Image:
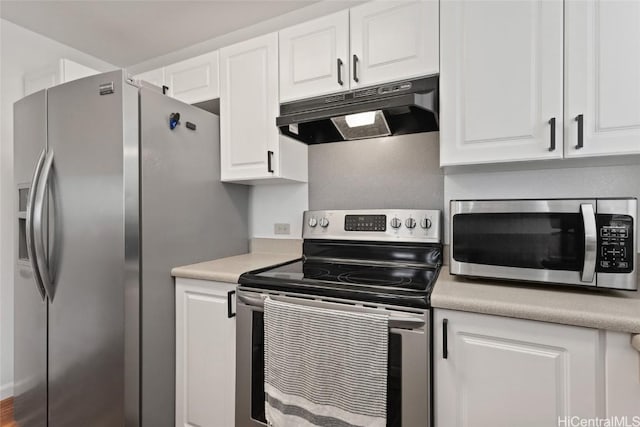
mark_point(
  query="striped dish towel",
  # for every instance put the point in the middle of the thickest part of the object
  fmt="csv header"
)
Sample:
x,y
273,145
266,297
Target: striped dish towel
x,y
324,367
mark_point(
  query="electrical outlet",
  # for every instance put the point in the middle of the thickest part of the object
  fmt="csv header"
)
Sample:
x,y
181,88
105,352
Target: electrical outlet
x,y
281,228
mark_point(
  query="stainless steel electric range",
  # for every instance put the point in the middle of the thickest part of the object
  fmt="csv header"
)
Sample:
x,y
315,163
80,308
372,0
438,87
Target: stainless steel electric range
x,y
359,260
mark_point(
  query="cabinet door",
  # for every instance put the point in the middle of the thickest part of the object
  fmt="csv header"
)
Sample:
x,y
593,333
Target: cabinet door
x,y
504,372
205,355
155,77
63,71
622,368
602,84
195,79
314,57
393,40
500,81
248,109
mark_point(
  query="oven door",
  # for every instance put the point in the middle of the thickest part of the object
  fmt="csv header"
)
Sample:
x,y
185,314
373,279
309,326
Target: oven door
x,y
533,240
409,378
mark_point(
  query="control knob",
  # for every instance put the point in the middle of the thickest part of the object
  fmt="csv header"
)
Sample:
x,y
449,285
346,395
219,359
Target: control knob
x,y
425,223
313,222
396,223
324,222
410,223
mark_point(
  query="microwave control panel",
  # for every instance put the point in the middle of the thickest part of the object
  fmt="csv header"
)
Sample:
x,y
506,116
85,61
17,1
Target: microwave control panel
x,y
615,244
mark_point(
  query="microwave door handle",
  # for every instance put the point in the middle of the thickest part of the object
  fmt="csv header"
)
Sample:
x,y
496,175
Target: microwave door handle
x,y
590,242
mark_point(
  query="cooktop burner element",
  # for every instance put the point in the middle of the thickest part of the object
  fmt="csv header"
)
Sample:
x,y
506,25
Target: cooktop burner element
x,y
374,278
371,256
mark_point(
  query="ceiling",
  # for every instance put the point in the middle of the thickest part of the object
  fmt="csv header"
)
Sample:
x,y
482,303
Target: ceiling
x,y
125,33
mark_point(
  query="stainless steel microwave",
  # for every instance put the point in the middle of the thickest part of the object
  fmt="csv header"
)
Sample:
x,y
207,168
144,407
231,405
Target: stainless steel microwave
x,y
584,242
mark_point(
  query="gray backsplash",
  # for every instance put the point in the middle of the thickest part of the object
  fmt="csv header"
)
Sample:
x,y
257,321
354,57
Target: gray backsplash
x,y
393,172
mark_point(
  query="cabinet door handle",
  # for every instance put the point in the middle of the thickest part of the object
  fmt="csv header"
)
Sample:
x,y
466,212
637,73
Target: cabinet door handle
x,y
552,143
230,312
269,165
340,82
355,68
445,338
580,120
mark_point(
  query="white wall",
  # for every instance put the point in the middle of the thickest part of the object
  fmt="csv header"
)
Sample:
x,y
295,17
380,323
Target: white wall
x,y
21,51
277,203
587,181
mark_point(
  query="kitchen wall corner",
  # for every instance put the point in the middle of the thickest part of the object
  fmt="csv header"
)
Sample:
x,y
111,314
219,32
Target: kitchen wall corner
x,y
277,203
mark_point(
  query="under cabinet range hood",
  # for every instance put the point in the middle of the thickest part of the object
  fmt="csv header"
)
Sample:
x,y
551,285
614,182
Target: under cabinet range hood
x,y
408,106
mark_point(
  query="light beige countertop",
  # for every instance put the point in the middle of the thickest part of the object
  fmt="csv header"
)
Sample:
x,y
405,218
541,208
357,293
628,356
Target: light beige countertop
x,y
610,310
265,252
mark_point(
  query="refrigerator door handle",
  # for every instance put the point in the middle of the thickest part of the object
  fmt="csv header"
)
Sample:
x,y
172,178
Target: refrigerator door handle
x,y
38,213
29,223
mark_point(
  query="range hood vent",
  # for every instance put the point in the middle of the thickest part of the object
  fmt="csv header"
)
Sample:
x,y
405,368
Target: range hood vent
x,y
399,108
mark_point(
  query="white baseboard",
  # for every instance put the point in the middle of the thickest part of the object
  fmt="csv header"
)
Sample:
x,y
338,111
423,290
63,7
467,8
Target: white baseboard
x,y
6,390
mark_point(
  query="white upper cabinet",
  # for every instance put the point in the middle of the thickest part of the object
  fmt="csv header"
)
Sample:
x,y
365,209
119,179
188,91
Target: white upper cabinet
x,y
195,79
63,71
503,372
393,40
602,77
314,57
374,43
155,77
251,148
248,108
501,81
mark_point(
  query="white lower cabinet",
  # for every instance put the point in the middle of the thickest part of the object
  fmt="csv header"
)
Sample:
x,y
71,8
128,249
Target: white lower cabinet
x,y
205,353
622,379
503,372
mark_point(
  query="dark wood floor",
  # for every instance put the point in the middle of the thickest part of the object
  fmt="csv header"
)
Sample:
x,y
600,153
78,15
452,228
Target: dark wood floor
x,y
6,413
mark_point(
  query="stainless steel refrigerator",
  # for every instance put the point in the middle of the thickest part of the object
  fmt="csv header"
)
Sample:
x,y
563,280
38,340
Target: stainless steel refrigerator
x,y
112,191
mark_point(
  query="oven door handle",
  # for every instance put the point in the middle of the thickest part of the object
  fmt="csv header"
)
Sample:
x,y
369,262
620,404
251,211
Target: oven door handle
x,y
395,321
590,243
250,301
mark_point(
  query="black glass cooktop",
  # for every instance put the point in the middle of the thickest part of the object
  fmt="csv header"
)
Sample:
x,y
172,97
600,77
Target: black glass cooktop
x,y
410,278
391,281
405,286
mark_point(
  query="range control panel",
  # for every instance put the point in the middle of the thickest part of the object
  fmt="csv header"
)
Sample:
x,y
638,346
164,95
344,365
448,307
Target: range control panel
x,y
408,225
365,223
615,243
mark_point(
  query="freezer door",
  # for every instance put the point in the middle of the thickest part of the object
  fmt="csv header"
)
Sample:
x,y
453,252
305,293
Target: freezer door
x,y
30,304
87,317
187,216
